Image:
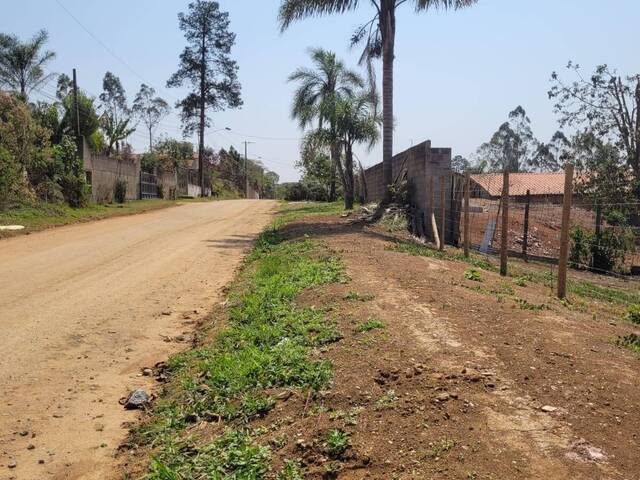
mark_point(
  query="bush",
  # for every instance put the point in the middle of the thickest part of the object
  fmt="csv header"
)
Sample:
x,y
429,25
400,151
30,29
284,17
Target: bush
x,y
9,176
74,190
610,249
120,191
603,253
633,313
581,240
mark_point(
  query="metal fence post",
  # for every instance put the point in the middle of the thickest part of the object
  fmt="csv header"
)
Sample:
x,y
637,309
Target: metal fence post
x,y
504,233
564,234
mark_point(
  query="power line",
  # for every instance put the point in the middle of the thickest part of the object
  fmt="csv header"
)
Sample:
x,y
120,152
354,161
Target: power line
x,y
101,43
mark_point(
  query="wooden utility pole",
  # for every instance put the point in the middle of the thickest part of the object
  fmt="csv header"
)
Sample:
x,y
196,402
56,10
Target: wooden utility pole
x,y
525,233
564,234
443,221
504,232
76,107
467,194
246,170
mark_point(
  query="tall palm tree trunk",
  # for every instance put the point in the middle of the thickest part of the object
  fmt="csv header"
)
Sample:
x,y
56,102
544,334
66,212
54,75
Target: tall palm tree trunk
x,y
349,181
388,29
332,177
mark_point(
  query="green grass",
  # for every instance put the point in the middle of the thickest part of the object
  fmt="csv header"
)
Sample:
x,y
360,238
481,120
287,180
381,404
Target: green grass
x,y
581,288
292,211
370,324
267,344
359,297
438,449
40,216
633,313
473,275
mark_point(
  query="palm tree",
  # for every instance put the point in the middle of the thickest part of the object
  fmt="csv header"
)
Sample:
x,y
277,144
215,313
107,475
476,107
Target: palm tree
x,y
21,64
316,97
378,37
357,122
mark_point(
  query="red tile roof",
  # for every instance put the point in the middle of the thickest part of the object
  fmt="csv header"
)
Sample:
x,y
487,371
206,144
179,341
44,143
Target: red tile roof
x,y
519,183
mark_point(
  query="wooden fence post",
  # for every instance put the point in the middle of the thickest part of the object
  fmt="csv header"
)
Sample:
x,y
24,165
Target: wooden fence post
x,y
525,233
432,214
443,221
504,232
467,236
564,234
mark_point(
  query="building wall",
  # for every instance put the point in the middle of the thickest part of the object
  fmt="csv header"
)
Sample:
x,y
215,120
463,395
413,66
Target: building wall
x,y
420,163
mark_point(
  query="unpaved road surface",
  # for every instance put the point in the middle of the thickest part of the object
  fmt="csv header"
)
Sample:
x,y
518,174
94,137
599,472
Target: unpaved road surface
x,y
84,308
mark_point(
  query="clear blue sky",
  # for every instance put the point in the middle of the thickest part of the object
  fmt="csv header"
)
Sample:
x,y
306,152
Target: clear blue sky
x,y
458,74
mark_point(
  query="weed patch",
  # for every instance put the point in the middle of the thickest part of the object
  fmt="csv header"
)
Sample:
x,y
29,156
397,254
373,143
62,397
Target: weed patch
x,y
633,313
360,297
473,275
371,324
337,443
631,341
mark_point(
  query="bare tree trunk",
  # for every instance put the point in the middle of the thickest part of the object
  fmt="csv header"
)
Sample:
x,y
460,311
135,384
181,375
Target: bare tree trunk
x,y
203,72
388,27
332,178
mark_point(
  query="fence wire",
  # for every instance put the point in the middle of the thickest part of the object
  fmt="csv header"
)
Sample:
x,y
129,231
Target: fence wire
x,y
604,237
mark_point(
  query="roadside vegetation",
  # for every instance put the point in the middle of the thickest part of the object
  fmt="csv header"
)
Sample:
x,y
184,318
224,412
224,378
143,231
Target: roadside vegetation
x,y
261,349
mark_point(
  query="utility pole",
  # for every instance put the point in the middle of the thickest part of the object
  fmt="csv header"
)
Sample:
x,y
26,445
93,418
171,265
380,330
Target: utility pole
x,y
246,171
76,109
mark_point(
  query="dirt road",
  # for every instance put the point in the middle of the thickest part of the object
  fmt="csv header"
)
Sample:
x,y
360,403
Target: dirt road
x,y
84,308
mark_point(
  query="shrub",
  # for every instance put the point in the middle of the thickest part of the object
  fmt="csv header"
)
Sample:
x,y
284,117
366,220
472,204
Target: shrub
x,y
581,240
9,176
120,191
633,313
610,248
473,275
74,190
337,443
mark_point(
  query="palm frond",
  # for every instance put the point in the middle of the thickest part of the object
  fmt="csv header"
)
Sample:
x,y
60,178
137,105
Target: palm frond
x,y
294,10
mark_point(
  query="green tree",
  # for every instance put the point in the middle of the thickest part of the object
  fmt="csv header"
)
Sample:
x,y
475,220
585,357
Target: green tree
x,y
315,100
22,63
356,122
605,104
116,118
513,146
150,109
206,66
378,37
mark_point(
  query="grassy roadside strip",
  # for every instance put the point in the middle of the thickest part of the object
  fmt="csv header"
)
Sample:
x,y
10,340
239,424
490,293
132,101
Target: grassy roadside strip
x,y
41,216
200,427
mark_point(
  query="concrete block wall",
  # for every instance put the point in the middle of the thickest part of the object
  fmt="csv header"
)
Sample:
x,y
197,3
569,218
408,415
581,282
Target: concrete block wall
x,y
420,163
105,171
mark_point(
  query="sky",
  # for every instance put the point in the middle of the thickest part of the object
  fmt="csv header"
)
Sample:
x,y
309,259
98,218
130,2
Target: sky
x,y
457,74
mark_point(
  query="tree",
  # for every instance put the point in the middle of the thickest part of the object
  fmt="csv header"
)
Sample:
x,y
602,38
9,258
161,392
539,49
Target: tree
x,y
319,91
513,146
22,64
116,118
150,109
206,65
552,156
356,122
606,104
378,37
460,164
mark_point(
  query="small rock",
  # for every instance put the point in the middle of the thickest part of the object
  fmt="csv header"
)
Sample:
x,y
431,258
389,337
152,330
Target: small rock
x,y
548,409
31,446
166,313
443,397
12,464
41,462
284,395
137,399
24,433
147,372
